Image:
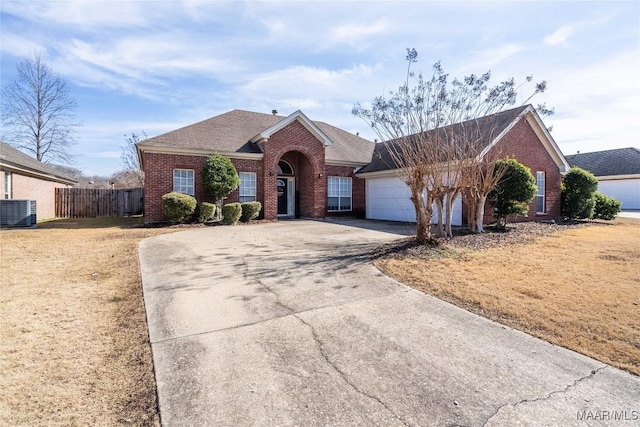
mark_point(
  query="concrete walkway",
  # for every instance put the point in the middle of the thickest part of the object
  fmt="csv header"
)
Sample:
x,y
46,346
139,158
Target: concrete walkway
x,y
289,324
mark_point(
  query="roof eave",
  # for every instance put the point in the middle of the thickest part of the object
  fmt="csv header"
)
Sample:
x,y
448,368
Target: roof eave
x,y
37,174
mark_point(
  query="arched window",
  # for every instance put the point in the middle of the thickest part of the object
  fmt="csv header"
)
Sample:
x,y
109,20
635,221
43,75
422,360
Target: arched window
x,y
284,168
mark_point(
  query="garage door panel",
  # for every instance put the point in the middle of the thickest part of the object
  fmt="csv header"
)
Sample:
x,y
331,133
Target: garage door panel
x,y
389,199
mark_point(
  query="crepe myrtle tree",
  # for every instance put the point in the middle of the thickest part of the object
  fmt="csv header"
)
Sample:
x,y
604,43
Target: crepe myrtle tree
x,y
220,178
439,161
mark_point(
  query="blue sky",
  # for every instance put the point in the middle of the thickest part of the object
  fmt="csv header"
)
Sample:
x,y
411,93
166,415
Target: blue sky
x,y
160,65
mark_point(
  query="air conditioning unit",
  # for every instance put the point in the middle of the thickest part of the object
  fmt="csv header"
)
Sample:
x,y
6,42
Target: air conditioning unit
x,y
17,213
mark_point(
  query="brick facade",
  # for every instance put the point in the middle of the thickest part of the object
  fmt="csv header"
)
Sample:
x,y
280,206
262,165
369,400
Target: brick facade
x,y
294,143
522,143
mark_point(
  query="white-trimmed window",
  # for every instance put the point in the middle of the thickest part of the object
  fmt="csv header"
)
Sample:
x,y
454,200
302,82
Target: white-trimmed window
x,y
339,194
540,208
7,185
247,190
183,181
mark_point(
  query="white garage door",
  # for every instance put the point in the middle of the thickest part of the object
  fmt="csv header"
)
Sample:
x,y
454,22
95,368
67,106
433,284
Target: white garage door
x,y
626,191
388,199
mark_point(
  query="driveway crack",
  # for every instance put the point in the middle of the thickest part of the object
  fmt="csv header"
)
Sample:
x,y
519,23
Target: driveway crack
x,y
591,374
318,342
342,373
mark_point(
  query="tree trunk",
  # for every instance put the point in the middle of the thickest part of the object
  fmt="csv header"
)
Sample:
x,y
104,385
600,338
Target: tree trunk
x,y
441,226
449,200
424,214
479,220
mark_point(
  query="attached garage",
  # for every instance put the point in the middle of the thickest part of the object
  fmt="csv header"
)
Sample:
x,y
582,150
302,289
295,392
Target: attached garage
x,y
388,198
626,190
618,173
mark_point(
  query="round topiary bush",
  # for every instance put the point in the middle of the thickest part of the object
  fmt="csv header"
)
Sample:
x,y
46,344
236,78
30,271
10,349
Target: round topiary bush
x,y
231,213
606,207
204,212
250,210
178,207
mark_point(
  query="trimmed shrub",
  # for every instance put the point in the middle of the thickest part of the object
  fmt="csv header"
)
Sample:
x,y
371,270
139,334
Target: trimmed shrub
x,y
219,178
578,191
231,213
204,212
606,207
250,210
514,191
178,207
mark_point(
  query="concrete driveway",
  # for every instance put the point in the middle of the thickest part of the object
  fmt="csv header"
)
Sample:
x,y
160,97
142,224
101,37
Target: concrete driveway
x,y
289,324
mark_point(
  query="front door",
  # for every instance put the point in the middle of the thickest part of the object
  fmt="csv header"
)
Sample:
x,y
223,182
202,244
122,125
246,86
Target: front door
x,y
282,196
286,195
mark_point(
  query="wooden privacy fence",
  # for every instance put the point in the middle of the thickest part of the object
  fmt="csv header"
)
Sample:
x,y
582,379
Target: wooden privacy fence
x,y
92,203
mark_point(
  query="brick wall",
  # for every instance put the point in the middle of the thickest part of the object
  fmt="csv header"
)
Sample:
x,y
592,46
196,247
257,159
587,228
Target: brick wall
x,y
522,143
358,195
158,169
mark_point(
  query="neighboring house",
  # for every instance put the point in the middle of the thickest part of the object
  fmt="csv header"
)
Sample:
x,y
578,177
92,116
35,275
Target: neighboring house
x,y
300,168
618,173
519,133
295,167
23,177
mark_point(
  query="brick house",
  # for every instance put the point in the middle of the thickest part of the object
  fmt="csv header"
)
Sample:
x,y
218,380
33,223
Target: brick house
x,y
23,177
517,133
295,167
300,168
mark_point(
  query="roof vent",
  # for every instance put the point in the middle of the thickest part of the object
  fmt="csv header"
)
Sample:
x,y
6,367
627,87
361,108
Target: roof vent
x,y
274,112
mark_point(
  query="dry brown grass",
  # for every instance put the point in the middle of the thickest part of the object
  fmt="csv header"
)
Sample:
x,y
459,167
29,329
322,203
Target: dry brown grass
x,y
74,346
578,288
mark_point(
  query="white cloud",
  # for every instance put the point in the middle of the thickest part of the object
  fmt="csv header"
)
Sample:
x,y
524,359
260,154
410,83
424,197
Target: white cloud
x,y
561,35
564,32
355,34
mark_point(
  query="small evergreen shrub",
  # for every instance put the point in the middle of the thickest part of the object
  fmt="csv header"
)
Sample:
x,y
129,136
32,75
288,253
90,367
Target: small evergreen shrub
x,y
204,212
577,197
606,207
231,213
178,207
250,210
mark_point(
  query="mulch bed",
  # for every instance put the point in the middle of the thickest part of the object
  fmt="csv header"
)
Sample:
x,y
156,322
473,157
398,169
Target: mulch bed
x,y
463,239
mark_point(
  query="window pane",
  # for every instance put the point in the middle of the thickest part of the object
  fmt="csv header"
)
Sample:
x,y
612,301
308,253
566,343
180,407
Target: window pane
x,y
539,204
540,183
345,204
183,181
333,203
247,191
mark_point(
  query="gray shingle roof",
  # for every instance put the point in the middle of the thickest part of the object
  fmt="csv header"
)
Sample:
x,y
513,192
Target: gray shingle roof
x,y
11,157
382,158
230,133
621,161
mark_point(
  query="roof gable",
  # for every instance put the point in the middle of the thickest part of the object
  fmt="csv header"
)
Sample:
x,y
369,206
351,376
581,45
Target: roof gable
x,y
498,125
15,160
621,161
296,116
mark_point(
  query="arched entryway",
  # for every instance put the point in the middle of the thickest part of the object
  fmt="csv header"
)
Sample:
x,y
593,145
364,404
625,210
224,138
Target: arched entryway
x,y
295,186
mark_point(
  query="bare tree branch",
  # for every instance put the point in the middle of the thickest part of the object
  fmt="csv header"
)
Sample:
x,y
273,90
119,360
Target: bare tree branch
x,y
436,134
129,157
38,113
